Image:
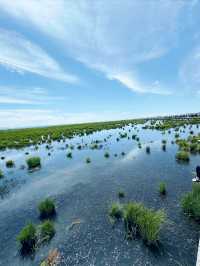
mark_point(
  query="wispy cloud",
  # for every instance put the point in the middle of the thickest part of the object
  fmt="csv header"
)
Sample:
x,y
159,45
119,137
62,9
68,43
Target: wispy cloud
x,y
21,55
30,96
129,80
106,35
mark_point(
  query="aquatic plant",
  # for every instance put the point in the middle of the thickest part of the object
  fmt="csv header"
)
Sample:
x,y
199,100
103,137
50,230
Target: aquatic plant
x,y
164,147
148,149
27,238
182,156
47,208
121,194
1,174
106,155
88,160
190,202
143,221
46,230
150,224
69,155
162,188
33,162
116,211
139,145
10,163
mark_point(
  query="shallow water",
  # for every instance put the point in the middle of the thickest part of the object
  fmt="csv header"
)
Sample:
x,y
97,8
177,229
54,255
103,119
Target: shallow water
x,y
85,191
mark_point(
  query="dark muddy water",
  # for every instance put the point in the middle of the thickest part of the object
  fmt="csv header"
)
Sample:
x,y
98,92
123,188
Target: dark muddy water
x,y
86,191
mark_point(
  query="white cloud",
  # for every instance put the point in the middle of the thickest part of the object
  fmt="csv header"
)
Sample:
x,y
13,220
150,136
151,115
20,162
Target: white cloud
x,y
19,54
31,96
20,118
132,83
106,35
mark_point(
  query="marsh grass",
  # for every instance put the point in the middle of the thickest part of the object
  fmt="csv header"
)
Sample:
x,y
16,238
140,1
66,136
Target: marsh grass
x,y
33,162
47,209
106,155
1,174
164,147
69,155
145,222
183,156
121,194
162,188
191,202
148,150
46,231
88,160
116,211
10,164
27,238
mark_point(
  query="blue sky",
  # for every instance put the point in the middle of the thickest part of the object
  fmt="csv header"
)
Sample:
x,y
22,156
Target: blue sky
x,y
66,61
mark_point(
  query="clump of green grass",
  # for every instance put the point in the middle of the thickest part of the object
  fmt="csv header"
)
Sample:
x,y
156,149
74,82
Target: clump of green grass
x,y
10,163
116,211
148,150
47,208
69,155
88,160
27,238
150,224
146,222
191,202
33,162
164,141
162,188
106,155
183,156
121,194
46,230
1,174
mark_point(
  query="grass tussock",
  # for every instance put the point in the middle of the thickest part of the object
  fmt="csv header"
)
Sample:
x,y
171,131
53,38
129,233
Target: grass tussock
x,y
47,208
46,231
191,202
121,194
146,222
183,156
116,211
88,160
106,155
33,162
10,164
148,150
1,174
27,238
162,188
